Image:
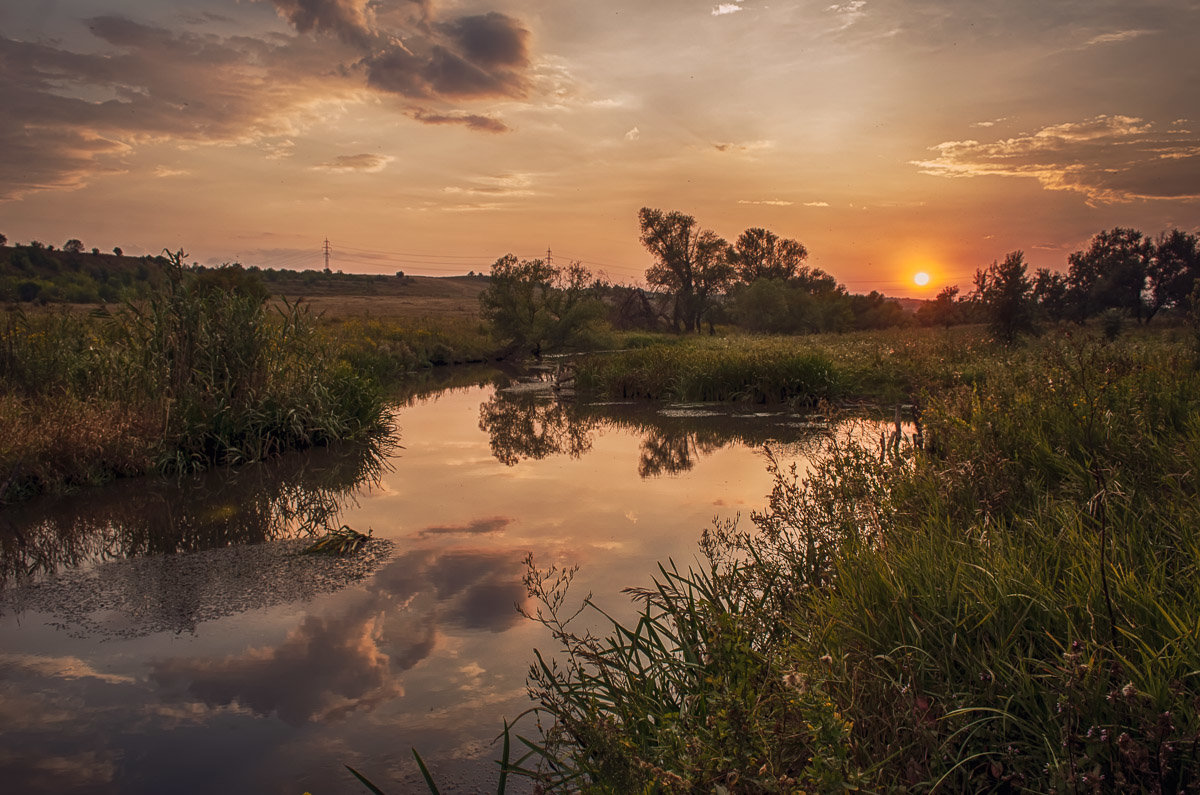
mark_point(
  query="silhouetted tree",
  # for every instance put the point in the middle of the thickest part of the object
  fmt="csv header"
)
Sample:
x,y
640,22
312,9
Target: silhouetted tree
x,y
117,250
1111,272
3,240
691,264
1052,295
1006,297
73,246
533,304
759,254
944,310
1173,272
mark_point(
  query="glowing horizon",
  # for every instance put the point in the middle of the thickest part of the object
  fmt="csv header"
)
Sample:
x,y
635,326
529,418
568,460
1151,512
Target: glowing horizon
x,y
434,137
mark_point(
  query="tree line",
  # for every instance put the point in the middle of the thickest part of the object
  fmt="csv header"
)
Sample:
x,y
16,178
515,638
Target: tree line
x,y
1121,275
762,283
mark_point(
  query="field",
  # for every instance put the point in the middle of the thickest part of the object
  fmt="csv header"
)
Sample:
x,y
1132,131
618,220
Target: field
x,y
409,299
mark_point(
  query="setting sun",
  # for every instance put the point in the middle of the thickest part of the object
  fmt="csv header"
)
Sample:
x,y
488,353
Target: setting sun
x,y
921,279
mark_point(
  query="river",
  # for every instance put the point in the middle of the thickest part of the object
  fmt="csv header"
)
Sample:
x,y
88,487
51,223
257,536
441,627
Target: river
x,y
163,635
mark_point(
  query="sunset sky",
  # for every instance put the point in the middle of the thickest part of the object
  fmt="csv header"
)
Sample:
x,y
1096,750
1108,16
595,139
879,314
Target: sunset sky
x,y
433,136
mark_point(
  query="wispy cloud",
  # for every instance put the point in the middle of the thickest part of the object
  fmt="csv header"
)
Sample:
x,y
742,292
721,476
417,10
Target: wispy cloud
x,y
366,163
745,146
721,9
165,171
767,202
633,134
472,121
848,13
1116,36
1108,159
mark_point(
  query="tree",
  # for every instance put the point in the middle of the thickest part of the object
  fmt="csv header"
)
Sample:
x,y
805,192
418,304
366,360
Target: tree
x,y
1111,272
1173,272
73,246
3,240
1052,294
944,310
533,304
117,250
759,254
1006,296
692,264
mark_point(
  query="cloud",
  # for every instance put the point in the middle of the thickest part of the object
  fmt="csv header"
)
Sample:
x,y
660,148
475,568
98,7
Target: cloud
x,y
469,120
816,204
768,202
499,186
1121,35
1108,159
470,57
848,13
749,146
633,134
722,9
366,163
165,171
73,114
350,20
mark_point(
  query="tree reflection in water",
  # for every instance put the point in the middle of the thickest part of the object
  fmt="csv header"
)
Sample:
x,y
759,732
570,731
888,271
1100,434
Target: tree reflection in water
x,y
537,425
288,497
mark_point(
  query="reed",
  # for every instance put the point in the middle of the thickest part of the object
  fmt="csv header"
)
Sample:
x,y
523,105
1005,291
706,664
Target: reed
x,y
1010,606
202,373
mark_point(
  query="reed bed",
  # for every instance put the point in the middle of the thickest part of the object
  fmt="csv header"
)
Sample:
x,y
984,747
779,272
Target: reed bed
x,y
889,366
1012,605
202,373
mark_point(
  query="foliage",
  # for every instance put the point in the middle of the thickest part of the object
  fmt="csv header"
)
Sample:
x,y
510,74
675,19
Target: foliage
x,y
691,264
534,305
760,254
343,541
1008,606
1005,295
201,373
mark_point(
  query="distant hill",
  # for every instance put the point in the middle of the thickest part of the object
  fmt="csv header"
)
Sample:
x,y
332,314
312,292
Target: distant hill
x,y
910,304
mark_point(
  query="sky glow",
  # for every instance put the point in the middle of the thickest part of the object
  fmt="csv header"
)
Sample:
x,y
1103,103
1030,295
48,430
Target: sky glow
x,y
434,136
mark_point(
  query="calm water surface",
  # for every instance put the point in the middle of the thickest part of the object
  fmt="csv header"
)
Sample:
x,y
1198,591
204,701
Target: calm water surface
x,y
164,636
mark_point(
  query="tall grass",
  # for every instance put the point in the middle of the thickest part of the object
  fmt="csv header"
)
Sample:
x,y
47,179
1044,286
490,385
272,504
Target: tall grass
x,y
804,370
1012,605
202,373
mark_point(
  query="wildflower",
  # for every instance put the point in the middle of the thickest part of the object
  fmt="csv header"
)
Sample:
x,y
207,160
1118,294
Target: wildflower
x,y
825,658
1129,691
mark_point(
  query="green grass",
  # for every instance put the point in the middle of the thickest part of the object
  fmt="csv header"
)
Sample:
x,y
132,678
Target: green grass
x,y
889,366
200,374
1012,606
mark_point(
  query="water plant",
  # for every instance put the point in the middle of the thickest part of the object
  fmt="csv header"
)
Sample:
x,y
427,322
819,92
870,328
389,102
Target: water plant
x,y
1010,605
203,372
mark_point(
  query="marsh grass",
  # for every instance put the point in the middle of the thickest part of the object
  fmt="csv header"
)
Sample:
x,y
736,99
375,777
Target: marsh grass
x,y
1011,606
889,366
386,350
202,373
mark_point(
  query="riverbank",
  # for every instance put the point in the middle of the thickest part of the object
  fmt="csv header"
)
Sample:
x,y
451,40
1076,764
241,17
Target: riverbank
x,y
1008,603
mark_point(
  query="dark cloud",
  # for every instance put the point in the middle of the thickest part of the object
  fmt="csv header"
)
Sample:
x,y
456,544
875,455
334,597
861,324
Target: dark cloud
x,y
350,20
1106,158
442,72
471,120
71,115
490,40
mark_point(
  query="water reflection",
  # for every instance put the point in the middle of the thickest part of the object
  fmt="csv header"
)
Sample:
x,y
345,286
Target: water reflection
x,y
532,425
287,497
